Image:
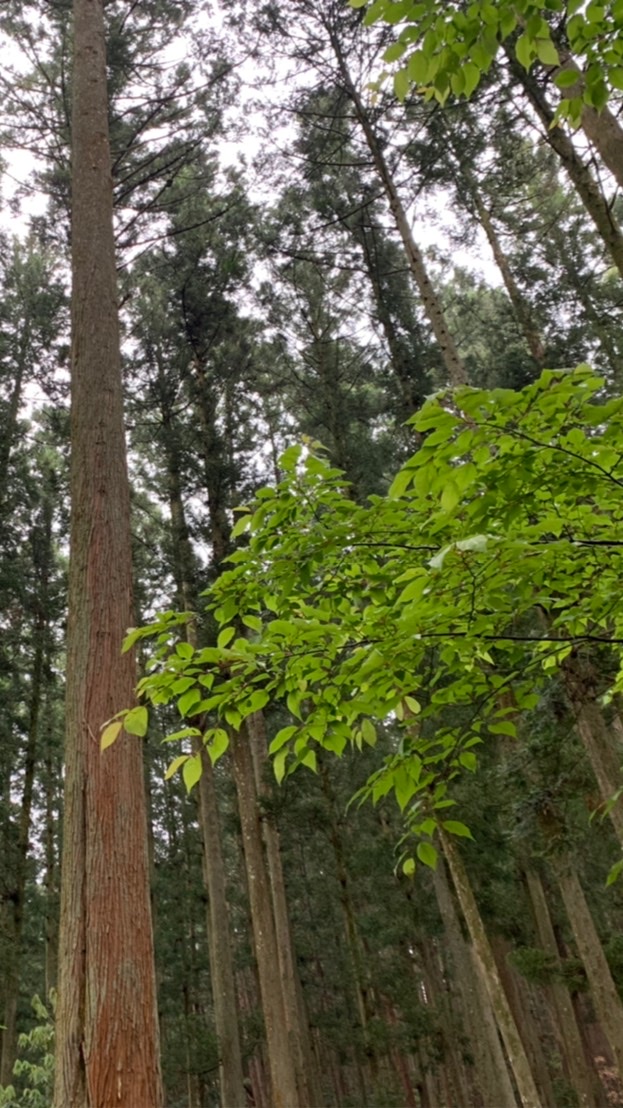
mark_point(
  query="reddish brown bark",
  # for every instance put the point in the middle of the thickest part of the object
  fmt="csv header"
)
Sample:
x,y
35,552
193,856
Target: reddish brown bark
x,y
107,1032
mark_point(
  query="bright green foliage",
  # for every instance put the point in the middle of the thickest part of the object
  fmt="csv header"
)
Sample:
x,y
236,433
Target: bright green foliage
x,y
497,551
35,1066
446,48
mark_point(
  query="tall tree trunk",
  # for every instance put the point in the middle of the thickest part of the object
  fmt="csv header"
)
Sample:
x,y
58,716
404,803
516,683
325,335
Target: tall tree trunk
x,y
580,175
430,300
581,1075
107,1043
491,1075
526,1011
296,1018
483,953
603,989
281,1065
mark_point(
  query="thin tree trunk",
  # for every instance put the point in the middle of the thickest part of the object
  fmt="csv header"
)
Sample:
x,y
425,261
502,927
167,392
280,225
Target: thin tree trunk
x,y
483,953
580,175
431,302
603,989
298,1029
581,1076
282,1072
107,1042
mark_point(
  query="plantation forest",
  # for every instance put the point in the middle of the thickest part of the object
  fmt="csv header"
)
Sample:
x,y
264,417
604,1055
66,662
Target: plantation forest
x,y
311,551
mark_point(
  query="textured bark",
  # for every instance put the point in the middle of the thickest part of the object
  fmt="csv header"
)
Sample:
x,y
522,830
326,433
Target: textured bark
x,y
491,1070
580,175
430,300
579,1071
107,1044
603,989
535,1033
485,959
582,687
280,1062
296,1020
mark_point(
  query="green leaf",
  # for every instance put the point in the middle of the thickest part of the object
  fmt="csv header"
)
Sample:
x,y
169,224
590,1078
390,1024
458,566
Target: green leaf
x,y
110,734
401,84
188,700
253,622
504,727
455,827
546,52
191,771
418,67
395,51
279,764
615,872
175,765
217,743
427,854
281,738
524,49
472,75
225,637
136,721
450,496
408,867
368,732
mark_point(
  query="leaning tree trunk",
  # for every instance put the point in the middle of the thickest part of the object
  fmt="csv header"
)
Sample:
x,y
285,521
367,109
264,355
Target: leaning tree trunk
x,y
107,1043
579,174
457,374
509,1031
581,1076
604,992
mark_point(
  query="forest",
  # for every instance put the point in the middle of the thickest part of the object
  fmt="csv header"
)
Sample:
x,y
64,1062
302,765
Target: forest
x,y
311,549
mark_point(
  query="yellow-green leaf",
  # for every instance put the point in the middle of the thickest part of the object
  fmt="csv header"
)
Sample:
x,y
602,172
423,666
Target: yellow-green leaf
x,y
110,734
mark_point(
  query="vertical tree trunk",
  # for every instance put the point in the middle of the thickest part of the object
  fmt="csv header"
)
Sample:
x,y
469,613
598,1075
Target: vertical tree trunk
x,y
603,989
107,1043
483,953
298,1029
280,1061
581,1077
